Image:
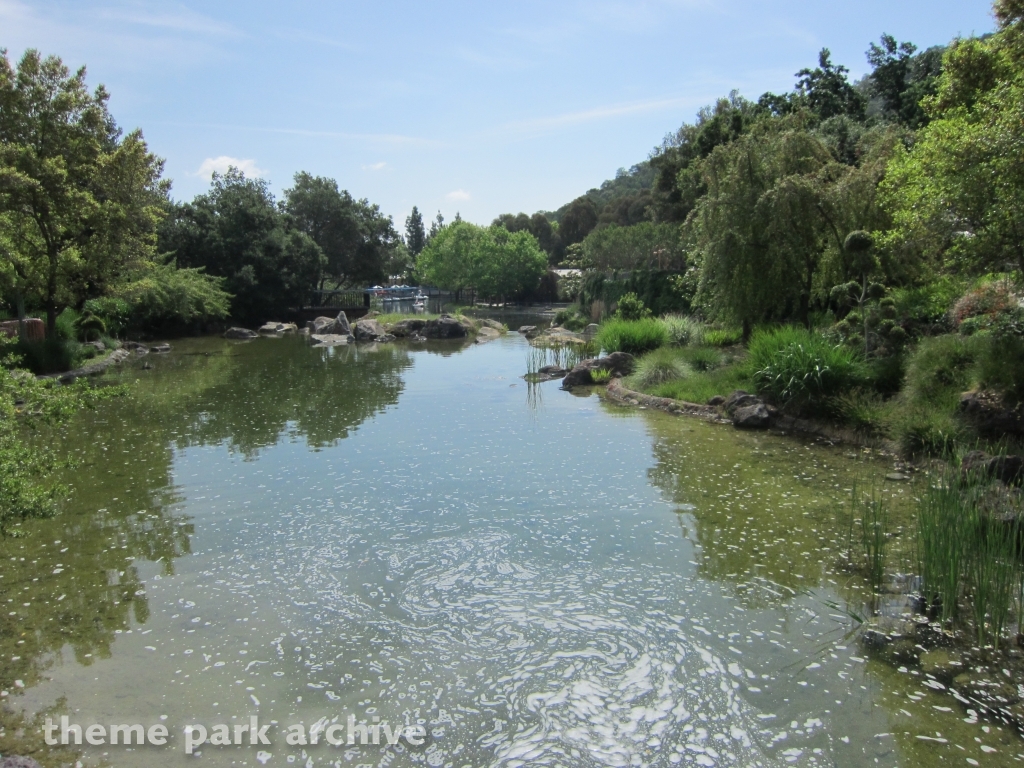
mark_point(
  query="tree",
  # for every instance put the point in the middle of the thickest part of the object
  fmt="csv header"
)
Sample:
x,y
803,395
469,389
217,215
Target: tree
x,y
957,196
79,203
891,62
435,226
827,90
359,243
506,264
447,261
641,246
415,235
237,232
578,221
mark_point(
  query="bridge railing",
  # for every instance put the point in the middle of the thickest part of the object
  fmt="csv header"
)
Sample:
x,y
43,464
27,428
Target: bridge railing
x,y
336,299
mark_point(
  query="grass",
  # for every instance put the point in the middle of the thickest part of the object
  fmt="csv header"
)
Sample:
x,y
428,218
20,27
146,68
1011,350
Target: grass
x,y
684,331
565,356
658,367
701,387
601,376
723,338
632,336
802,368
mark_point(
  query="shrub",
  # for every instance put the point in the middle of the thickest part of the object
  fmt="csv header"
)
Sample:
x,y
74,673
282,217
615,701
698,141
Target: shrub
x,y
1001,364
67,325
988,300
799,367
162,295
658,367
940,369
633,336
630,307
703,358
571,318
684,331
601,376
723,338
53,355
115,313
90,327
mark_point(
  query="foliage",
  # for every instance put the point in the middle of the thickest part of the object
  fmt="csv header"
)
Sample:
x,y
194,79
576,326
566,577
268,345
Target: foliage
x,y
448,259
237,232
630,307
827,91
699,387
657,290
722,337
702,358
988,301
161,295
802,368
78,202
658,367
571,318
114,312
633,336
27,403
683,330
415,234
601,376
646,246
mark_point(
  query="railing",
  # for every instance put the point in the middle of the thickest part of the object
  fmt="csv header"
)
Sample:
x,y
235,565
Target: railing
x,y
336,299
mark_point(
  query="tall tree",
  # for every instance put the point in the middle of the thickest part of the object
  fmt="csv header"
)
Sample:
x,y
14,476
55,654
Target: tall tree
x,y
79,203
578,221
507,264
828,91
330,217
415,234
891,62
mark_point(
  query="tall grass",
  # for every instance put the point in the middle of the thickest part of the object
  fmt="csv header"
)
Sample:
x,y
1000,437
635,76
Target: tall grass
x,y
658,367
684,331
968,556
802,368
632,336
565,356
865,525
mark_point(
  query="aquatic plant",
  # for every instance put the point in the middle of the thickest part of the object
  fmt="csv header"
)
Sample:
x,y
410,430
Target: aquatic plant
x,y
601,376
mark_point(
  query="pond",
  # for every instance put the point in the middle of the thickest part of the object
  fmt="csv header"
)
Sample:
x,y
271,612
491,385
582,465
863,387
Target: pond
x,y
415,534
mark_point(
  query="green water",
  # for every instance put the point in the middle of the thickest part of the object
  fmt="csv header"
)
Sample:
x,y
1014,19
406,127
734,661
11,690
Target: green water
x,y
414,533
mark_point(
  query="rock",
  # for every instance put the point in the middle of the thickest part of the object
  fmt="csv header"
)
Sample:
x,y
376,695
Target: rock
x,y
99,346
336,326
368,330
526,329
1008,469
618,364
487,322
716,400
753,416
445,327
328,339
986,691
341,325
410,327
990,415
591,331
161,349
740,399
14,761
270,329
240,333
320,325
485,334
553,370
135,347
941,664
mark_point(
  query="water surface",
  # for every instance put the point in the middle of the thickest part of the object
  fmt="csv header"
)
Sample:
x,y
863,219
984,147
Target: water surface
x,y
414,533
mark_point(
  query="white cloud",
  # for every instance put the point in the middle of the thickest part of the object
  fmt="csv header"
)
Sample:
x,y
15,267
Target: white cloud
x,y
222,163
458,194
375,166
179,19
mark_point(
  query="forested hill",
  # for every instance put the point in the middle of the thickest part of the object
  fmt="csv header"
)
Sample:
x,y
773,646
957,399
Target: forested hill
x,y
665,187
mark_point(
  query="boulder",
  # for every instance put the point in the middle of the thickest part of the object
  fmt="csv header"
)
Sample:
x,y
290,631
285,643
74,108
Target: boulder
x,y
161,349
487,322
406,328
527,329
740,399
990,415
99,346
591,331
716,400
135,347
980,465
754,416
328,339
445,327
240,333
270,329
485,334
368,330
618,364
337,326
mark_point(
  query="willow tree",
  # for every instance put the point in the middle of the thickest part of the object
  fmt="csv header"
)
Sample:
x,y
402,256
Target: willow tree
x,y
768,234
79,202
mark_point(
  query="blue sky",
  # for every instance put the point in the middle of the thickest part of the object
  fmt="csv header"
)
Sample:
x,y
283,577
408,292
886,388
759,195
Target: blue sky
x,y
480,107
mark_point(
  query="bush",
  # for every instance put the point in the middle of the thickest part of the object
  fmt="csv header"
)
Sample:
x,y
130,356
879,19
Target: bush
x,y
601,376
658,367
985,301
571,318
702,358
723,338
633,336
1001,364
67,325
53,355
927,431
163,295
115,313
630,307
684,331
940,369
802,368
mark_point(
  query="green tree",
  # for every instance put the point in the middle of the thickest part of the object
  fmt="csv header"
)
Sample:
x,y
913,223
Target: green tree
x,y
506,264
641,246
578,221
900,80
827,91
79,202
415,234
447,261
237,232
957,196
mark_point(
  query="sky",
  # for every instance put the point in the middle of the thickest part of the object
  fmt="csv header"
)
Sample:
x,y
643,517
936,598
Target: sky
x,y
478,108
